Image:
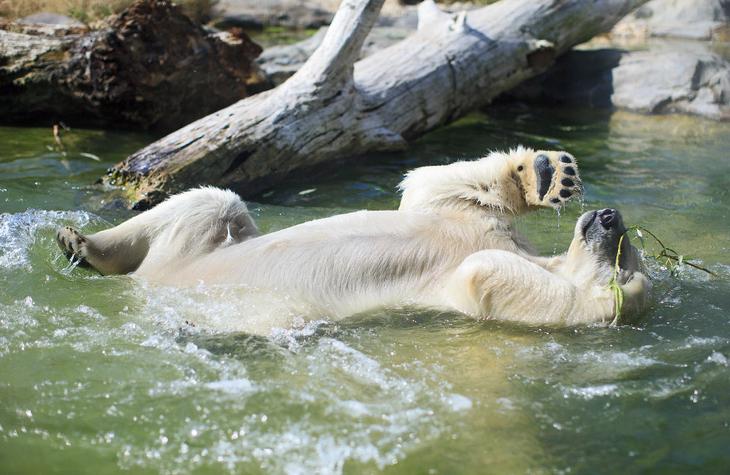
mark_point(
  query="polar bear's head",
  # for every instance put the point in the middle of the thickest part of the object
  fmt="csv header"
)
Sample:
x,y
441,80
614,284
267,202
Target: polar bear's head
x,y
501,183
591,258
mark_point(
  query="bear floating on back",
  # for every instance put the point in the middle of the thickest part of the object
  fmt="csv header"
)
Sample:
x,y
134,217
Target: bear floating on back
x,y
450,245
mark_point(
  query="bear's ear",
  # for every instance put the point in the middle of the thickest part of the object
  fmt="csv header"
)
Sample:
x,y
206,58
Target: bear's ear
x,y
549,178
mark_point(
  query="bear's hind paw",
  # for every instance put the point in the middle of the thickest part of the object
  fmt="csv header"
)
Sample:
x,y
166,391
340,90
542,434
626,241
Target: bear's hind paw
x,y
73,244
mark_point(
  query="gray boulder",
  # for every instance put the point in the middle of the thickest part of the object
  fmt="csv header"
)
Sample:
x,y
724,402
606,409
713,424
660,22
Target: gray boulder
x,y
689,19
280,62
673,81
582,78
46,18
307,13
666,78
261,13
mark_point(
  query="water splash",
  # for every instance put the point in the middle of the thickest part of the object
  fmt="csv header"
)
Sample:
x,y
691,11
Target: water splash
x,y
558,214
18,233
73,263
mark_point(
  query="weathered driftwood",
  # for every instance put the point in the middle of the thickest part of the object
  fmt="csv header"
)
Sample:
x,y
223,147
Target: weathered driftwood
x,y
151,67
330,110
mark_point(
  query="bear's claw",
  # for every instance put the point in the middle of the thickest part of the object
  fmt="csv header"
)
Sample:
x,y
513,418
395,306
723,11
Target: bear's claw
x,y
548,178
567,183
73,245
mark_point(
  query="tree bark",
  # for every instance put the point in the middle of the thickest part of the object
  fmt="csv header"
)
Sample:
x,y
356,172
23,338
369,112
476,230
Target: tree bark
x,y
152,67
331,110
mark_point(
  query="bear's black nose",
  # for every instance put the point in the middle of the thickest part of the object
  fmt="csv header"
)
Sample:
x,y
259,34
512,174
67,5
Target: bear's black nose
x,y
607,217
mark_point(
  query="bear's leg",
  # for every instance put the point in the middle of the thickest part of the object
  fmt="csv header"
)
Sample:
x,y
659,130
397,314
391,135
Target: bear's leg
x,y
504,286
186,225
112,251
502,183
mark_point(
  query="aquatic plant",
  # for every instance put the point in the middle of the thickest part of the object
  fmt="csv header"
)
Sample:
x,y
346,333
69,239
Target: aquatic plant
x,y
667,257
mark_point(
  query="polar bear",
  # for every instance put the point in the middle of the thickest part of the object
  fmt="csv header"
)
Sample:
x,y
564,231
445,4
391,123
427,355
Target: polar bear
x,y
449,245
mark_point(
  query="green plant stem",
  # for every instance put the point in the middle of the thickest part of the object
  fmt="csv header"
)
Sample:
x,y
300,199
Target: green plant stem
x,y
672,260
668,252
618,292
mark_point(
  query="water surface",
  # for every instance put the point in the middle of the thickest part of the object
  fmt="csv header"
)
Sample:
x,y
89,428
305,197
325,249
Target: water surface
x,y
103,374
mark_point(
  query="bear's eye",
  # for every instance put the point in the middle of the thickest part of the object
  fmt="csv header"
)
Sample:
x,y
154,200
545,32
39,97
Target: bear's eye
x,y
520,168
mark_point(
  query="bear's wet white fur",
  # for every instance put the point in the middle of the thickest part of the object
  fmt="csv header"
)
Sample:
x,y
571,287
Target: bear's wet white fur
x,y
450,245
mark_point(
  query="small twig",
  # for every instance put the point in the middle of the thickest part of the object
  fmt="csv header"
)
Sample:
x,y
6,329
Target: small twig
x,y
57,136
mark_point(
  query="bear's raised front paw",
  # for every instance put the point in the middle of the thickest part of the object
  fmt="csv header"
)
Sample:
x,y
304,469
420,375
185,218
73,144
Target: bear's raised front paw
x,y
550,178
73,244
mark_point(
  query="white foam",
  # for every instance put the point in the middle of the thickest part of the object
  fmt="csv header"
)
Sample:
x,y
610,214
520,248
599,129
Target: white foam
x,y
718,358
590,392
458,403
237,386
226,309
694,342
506,403
290,337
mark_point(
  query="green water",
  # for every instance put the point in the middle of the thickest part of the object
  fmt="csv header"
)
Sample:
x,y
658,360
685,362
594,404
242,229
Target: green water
x,y
102,375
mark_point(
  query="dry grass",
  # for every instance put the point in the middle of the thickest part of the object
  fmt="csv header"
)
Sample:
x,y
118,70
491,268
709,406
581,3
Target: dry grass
x,y
87,11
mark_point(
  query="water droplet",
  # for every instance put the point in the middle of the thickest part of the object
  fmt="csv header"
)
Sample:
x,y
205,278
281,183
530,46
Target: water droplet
x,y
695,397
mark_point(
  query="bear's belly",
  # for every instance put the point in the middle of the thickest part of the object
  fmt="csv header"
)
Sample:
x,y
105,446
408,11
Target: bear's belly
x,y
345,264
326,282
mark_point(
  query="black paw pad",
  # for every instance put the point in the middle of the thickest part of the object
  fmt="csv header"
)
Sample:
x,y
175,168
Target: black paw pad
x,y
544,172
566,159
569,171
565,193
567,182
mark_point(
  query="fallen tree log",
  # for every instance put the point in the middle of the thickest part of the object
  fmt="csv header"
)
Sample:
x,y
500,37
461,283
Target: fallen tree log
x,y
150,67
331,110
